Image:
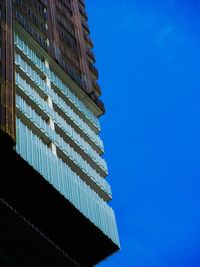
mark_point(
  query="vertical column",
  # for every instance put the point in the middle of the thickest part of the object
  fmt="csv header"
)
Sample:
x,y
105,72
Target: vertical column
x,y
53,30
7,91
50,103
80,38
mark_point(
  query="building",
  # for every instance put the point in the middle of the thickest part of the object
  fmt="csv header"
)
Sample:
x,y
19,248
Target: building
x,y
53,193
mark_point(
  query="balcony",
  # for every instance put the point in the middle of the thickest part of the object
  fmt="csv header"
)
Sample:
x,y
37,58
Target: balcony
x,y
55,80
97,87
93,70
82,3
83,13
85,26
43,108
59,101
91,55
65,151
41,215
73,74
67,4
97,101
88,40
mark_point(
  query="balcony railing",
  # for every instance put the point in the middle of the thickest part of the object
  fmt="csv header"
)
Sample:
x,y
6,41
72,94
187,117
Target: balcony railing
x,y
93,70
96,99
68,183
93,137
58,101
83,13
97,87
69,153
88,40
85,26
67,4
91,54
82,2
56,81
60,122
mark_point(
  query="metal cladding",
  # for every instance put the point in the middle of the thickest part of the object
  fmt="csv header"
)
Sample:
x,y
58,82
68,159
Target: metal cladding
x,y
7,93
59,29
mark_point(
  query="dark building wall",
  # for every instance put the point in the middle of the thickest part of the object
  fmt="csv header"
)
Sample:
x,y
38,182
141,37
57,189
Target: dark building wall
x,y
60,27
7,93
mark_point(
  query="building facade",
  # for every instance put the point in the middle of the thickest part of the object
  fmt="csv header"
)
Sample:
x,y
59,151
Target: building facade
x,y
53,193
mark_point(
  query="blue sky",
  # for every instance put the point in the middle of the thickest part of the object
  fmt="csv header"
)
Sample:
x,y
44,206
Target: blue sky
x,y
148,56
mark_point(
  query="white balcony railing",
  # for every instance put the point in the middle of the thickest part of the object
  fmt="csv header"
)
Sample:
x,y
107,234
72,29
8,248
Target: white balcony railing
x,y
68,183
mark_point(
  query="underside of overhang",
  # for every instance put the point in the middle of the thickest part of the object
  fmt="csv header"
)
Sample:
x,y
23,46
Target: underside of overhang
x,y
44,225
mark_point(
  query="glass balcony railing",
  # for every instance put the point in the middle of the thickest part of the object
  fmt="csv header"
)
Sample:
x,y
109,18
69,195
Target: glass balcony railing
x,y
58,101
67,129
68,183
68,151
57,82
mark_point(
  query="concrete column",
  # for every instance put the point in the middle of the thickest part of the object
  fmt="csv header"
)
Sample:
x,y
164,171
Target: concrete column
x,y
50,104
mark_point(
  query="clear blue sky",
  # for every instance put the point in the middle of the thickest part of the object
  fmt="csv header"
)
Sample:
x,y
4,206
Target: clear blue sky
x,y
148,56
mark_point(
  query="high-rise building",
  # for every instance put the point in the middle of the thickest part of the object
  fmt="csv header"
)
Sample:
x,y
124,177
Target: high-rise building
x,y
54,197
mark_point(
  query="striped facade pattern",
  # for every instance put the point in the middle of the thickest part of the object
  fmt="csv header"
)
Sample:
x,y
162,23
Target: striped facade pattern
x,y
68,157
